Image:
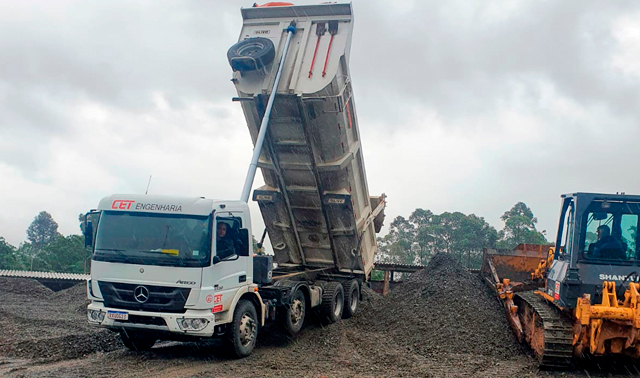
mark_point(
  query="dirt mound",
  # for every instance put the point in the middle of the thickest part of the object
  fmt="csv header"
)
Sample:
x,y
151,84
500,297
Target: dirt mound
x,y
76,293
39,323
25,286
63,347
445,309
75,296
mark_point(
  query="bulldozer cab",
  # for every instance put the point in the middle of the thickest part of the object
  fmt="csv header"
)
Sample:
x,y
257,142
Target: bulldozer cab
x,y
596,242
599,229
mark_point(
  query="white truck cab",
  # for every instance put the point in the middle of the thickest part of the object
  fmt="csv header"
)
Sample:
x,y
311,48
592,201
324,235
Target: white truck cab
x,y
187,261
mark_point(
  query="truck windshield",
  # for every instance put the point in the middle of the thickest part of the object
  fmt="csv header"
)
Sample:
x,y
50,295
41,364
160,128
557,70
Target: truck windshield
x,y
610,231
153,239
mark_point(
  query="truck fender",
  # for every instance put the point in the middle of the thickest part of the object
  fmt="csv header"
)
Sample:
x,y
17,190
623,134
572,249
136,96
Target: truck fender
x,y
250,293
299,285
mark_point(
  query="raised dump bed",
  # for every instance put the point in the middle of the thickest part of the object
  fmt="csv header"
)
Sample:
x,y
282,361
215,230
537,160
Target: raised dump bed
x,y
315,204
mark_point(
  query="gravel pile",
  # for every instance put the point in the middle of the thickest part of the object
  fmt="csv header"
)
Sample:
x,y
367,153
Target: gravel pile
x,y
38,323
441,322
24,286
76,294
444,309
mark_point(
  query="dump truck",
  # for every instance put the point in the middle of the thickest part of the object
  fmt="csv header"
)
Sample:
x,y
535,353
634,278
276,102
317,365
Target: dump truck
x,y
171,268
578,297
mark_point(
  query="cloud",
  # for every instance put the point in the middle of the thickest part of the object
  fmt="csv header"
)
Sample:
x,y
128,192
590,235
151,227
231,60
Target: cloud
x,y
461,57
462,106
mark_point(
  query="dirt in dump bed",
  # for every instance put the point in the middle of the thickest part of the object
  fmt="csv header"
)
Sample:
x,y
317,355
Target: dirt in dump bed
x,y
445,309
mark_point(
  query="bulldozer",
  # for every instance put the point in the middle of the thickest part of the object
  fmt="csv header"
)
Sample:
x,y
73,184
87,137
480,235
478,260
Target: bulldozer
x,y
580,296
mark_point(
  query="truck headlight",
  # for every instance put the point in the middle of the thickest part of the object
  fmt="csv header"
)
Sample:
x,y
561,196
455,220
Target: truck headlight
x,y
96,316
199,324
192,324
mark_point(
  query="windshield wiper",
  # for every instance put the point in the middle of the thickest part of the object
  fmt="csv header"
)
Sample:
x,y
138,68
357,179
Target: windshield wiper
x,y
120,253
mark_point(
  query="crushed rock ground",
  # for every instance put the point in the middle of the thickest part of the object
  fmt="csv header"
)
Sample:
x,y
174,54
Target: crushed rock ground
x,y
441,322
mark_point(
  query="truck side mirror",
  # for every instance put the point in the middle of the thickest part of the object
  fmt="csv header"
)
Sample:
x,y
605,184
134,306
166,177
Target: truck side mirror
x,y
243,249
88,233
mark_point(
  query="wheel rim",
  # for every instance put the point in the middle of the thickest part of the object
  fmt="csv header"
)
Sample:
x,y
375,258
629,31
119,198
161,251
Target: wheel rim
x,y
247,330
297,311
337,310
250,49
354,301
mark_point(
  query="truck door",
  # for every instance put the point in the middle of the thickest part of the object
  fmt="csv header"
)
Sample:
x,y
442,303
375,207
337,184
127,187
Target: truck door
x,y
230,258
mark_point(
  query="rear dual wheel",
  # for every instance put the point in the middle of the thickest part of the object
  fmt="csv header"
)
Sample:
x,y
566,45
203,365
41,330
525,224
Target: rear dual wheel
x,y
332,301
292,317
351,298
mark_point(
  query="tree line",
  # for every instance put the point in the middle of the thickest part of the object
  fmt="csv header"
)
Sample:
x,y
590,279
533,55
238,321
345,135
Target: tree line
x,y
46,249
414,240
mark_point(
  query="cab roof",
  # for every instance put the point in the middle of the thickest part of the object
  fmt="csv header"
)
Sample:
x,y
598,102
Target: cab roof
x,y
167,204
603,196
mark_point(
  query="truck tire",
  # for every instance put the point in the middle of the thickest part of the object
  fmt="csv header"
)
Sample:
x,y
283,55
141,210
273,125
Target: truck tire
x,y
351,299
332,301
137,342
243,331
251,54
292,317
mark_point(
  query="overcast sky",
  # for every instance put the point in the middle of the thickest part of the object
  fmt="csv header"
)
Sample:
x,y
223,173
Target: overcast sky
x,y
464,105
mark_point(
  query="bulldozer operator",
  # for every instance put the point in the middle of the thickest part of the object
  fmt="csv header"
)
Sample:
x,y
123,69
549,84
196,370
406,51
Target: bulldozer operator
x,y
607,247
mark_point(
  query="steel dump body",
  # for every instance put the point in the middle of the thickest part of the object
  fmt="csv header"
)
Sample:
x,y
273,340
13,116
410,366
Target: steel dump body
x,y
315,204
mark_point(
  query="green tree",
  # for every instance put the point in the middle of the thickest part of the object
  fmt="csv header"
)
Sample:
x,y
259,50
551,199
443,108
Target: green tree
x,y
65,254
8,256
417,239
43,230
26,255
396,246
377,275
475,235
520,227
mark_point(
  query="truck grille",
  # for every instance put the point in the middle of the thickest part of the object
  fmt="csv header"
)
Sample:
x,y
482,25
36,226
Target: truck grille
x,y
161,298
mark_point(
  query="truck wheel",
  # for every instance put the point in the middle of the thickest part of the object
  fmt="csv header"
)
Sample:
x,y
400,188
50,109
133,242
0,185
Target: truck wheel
x,y
292,317
243,331
251,54
332,301
136,342
351,299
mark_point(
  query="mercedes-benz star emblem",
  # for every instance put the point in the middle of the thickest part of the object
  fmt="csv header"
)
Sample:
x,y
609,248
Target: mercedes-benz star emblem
x,y
141,294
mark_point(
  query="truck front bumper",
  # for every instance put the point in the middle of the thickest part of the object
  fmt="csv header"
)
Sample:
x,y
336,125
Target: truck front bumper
x,y
152,321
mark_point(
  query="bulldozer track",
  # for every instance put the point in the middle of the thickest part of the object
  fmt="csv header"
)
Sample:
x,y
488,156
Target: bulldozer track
x,y
558,332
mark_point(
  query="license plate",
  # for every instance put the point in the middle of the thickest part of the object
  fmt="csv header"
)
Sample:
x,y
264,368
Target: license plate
x,y
117,315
